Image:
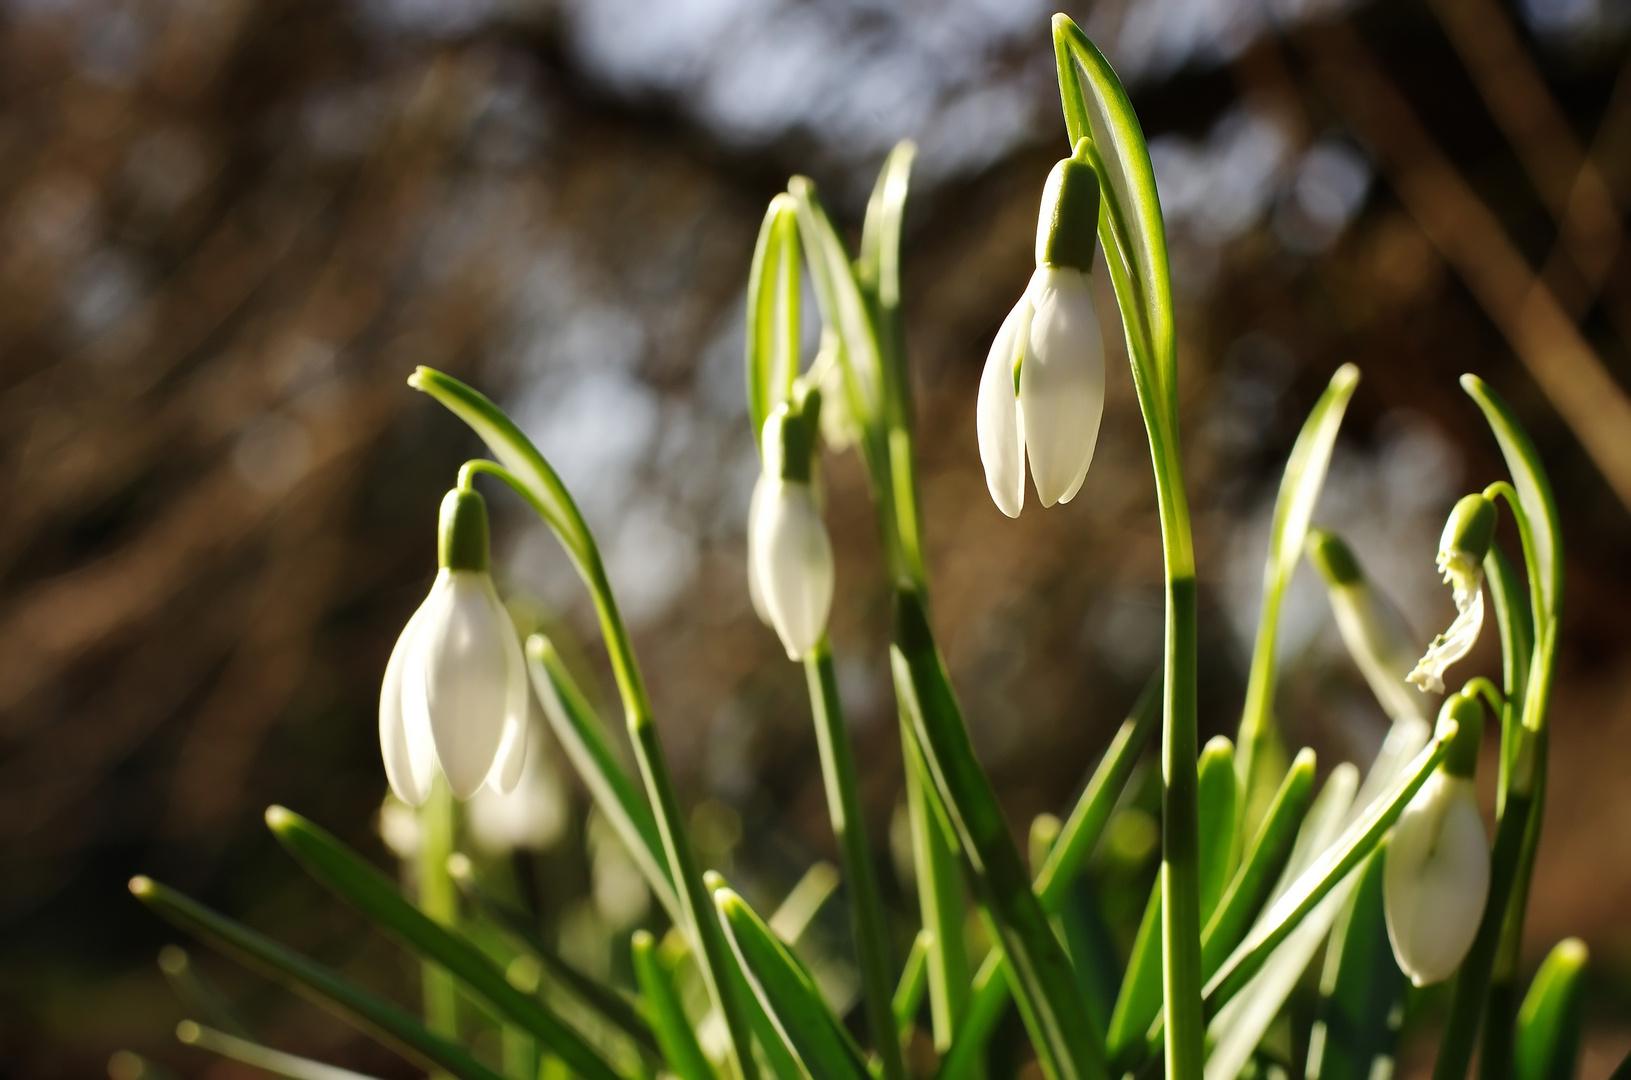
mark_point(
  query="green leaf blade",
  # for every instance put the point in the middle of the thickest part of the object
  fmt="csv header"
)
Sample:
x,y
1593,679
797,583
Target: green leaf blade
x,y
362,886
379,1018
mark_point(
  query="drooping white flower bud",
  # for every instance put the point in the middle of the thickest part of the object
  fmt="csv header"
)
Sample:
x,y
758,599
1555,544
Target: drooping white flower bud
x,y
1436,879
791,563
1042,390
454,696
1461,550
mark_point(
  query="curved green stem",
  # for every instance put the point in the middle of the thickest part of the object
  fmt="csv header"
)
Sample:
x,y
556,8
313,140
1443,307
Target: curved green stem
x,y
849,828
526,470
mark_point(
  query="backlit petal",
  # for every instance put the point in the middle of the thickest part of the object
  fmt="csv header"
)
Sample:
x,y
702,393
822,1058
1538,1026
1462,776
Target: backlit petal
x,y
1061,383
1002,443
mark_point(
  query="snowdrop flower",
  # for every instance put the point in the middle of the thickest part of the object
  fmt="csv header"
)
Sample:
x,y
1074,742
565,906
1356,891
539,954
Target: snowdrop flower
x,y
1042,391
1436,878
790,564
454,696
1461,550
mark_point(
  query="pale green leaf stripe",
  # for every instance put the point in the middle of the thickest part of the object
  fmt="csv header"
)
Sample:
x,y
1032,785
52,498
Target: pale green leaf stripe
x,y
1046,988
939,893
1106,114
1293,510
913,982
791,1000
583,737
877,271
377,1017
366,889
1552,1017
842,305
1070,851
668,1020
1328,870
772,309
261,1057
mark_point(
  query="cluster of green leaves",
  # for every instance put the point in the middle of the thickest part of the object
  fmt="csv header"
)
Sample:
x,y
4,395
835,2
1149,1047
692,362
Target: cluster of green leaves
x,y
1258,871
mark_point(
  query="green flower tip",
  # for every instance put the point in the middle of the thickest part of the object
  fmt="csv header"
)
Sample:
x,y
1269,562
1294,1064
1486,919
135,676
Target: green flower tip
x,y
142,887
1333,558
642,941
713,881
281,820
1469,531
1067,225
1218,746
539,648
462,534
791,434
1461,722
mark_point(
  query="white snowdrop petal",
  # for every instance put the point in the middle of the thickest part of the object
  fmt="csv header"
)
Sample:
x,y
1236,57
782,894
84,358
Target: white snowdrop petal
x,y
756,591
1436,879
512,747
1455,643
1061,384
466,678
795,564
409,772
997,419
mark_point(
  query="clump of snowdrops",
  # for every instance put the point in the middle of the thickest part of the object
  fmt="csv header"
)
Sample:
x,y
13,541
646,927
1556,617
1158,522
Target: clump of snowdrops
x,y
1386,869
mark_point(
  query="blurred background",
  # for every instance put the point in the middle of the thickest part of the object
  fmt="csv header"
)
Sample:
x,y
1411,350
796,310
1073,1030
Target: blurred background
x,y
229,229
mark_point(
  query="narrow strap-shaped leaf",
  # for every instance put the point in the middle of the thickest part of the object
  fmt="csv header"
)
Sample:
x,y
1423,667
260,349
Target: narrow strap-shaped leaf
x,y
1046,989
667,1017
1552,1017
939,893
914,980
787,993
772,330
583,737
1267,856
1140,996
1076,842
1101,110
1300,486
1217,790
261,1057
198,993
842,304
366,889
1361,990
877,271
1082,829
377,1017
1542,546
1327,871
1513,619
849,829
611,1006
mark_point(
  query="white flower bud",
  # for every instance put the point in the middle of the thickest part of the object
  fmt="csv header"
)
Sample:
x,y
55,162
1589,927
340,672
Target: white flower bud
x,y
1042,392
792,559
1436,880
454,695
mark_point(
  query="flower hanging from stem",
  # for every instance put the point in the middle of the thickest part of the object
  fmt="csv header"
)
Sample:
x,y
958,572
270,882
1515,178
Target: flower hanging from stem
x,y
454,696
1461,550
